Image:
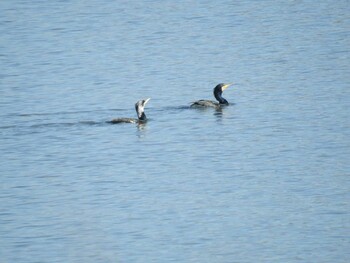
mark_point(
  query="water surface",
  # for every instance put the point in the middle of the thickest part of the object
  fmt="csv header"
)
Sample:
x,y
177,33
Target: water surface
x,y
264,180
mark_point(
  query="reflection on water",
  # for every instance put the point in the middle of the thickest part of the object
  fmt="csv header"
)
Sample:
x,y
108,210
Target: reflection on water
x,y
264,178
218,112
141,126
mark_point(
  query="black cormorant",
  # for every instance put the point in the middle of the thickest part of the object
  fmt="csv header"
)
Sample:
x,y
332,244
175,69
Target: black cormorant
x,y
217,94
139,106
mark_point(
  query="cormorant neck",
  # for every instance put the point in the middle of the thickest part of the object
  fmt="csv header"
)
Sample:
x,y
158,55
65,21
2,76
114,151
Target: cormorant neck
x,y
219,98
223,101
143,117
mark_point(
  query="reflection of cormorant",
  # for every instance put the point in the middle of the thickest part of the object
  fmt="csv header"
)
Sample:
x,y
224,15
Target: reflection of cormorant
x,y
217,94
139,106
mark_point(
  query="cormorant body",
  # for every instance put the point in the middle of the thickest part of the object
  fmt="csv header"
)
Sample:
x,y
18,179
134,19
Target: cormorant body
x,y
139,107
218,96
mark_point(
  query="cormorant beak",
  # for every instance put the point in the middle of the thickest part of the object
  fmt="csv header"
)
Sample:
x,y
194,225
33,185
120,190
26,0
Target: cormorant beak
x,y
226,86
145,101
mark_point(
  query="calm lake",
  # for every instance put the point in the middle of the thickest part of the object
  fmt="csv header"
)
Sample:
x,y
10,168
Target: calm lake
x,y
265,179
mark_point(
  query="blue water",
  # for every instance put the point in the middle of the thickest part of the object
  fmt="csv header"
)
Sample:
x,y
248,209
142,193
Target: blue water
x,y
264,180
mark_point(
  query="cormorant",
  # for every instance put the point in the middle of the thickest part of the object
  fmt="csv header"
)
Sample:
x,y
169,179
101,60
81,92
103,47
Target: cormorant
x,y
139,107
217,94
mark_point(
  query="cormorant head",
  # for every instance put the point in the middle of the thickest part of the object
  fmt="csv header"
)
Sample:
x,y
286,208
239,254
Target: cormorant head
x,y
218,92
140,107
